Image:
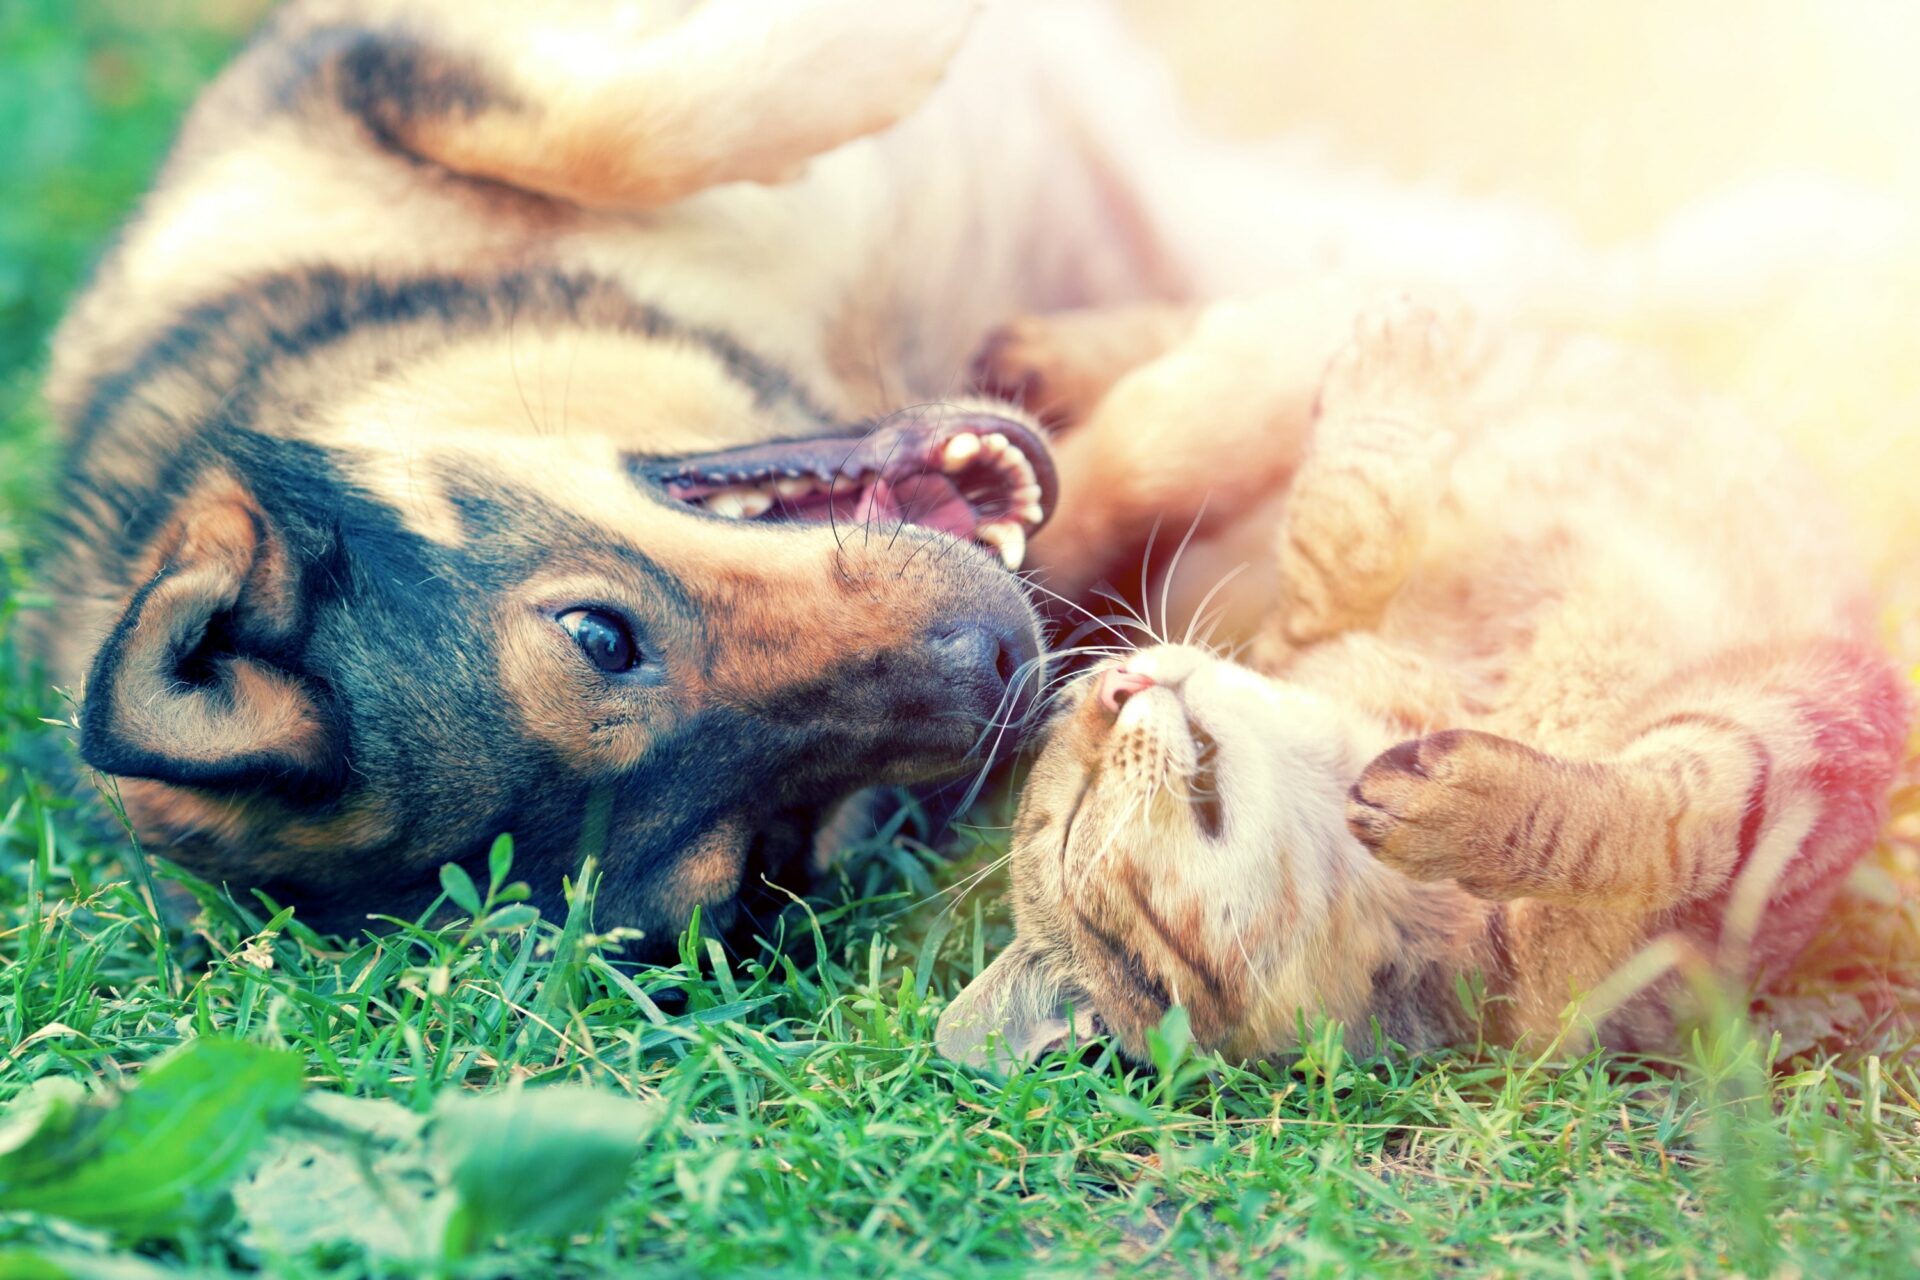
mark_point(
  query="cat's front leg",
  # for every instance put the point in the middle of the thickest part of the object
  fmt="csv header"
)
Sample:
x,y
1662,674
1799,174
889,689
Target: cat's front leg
x,y
1505,821
1768,765
1383,431
1496,816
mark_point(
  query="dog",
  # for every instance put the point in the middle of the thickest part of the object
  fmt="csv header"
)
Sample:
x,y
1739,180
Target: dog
x,y
558,420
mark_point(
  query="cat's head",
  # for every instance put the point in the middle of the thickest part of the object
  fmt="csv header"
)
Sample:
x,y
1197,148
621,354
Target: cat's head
x,y
1181,840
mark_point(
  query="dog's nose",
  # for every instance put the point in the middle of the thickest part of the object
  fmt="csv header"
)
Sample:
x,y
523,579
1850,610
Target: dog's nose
x,y
1119,684
980,660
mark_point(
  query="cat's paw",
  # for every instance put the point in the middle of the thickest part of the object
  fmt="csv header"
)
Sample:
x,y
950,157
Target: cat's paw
x,y
1403,364
1443,807
1349,540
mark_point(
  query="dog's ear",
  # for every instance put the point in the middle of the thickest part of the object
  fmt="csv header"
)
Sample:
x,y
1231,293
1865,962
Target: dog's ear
x,y
1015,1011
192,685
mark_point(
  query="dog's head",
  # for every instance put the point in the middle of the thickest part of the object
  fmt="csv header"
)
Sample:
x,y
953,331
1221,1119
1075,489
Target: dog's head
x,y
611,585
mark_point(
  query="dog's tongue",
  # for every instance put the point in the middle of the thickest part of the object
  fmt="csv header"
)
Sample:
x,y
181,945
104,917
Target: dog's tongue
x,y
972,475
927,500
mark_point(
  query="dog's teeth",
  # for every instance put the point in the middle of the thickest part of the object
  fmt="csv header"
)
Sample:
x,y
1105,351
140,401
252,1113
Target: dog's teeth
x,y
799,487
994,444
1014,465
960,451
1032,514
740,503
1026,494
1005,537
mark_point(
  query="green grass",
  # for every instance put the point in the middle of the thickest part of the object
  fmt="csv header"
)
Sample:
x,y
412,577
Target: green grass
x,y
796,1119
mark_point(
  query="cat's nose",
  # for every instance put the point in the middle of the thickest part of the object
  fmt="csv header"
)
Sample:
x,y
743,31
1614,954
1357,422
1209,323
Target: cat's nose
x,y
1119,684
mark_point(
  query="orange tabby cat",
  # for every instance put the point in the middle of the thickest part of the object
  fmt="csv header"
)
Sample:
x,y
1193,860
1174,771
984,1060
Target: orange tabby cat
x,y
1560,658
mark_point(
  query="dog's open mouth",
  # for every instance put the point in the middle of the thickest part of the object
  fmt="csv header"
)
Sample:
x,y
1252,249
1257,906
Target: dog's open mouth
x,y
976,476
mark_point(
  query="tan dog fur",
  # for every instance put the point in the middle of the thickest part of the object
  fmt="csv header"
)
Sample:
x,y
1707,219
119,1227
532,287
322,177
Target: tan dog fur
x,y
442,272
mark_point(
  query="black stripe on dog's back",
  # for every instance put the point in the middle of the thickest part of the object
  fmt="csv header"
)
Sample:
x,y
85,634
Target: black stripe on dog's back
x,y
290,315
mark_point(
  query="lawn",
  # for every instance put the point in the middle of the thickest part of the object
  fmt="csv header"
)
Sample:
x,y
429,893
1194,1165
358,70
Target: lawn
x,y
505,1096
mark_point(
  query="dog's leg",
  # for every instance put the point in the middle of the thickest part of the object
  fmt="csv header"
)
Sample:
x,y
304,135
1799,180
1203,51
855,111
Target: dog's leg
x,y
635,107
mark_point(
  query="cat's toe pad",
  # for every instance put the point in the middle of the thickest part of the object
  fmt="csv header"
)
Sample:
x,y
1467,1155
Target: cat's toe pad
x,y
1427,807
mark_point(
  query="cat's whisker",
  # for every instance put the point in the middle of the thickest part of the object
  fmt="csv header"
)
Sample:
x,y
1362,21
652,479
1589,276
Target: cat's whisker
x,y
1085,650
960,889
1060,679
1205,640
1146,596
1055,682
1200,610
1130,619
1173,567
998,727
1240,944
1115,625
1114,832
1054,679
1035,585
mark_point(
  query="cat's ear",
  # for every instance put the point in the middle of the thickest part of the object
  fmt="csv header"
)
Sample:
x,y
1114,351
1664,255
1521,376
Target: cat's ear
x,y
1015,1011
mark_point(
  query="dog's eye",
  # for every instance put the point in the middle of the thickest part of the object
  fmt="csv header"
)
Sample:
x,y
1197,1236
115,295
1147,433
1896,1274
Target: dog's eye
x,y
603,637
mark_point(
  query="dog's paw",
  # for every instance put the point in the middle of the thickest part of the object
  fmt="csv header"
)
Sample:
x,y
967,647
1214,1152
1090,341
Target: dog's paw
x,y
1446,807
1402,364
878,61
1025,363
756,89
1060,367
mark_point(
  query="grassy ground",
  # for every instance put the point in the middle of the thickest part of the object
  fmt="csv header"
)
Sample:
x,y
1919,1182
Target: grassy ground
x,y
791,1117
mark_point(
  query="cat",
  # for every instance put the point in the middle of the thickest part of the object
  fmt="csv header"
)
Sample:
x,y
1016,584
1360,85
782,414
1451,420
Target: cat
x,y
1558,658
